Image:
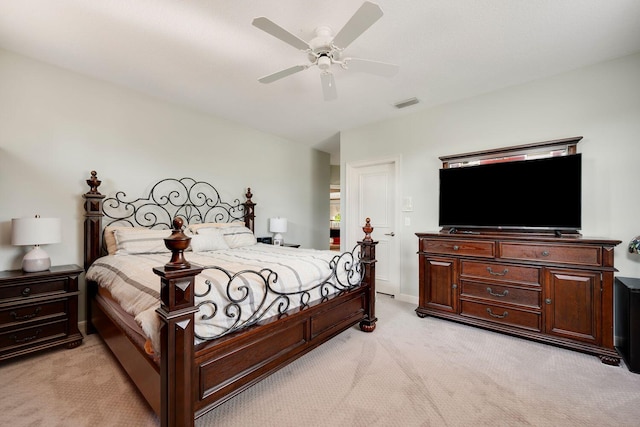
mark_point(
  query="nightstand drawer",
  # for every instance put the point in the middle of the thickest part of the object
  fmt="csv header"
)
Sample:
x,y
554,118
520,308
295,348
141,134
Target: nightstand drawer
x,y
27,289
478,248
33,335
28,313
548,253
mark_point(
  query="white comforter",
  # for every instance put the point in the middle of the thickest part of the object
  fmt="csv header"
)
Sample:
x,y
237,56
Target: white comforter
x,y
136,288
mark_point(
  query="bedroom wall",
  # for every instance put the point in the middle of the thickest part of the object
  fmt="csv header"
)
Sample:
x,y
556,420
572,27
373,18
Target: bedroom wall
x,y
56,126
600,103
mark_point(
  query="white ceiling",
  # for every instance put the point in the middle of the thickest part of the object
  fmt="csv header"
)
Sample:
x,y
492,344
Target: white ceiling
x,y
206,54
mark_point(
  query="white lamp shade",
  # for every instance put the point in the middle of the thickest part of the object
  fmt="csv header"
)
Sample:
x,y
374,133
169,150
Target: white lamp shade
x,y
278,225
35,231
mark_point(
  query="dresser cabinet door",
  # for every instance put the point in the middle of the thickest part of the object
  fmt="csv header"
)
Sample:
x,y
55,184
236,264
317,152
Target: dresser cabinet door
x,y
439,290
572,304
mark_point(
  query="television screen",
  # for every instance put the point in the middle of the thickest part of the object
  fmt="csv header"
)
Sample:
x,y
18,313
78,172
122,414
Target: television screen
x,y
542,193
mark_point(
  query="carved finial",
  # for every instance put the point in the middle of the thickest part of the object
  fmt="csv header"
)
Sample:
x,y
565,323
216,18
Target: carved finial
x,y
177,243
368,229
248,195
94,183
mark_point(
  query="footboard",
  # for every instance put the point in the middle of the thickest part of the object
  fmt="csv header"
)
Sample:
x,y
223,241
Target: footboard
x,y
195,381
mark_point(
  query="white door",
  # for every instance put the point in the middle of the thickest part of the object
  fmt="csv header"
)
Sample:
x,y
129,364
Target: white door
x,y
371,193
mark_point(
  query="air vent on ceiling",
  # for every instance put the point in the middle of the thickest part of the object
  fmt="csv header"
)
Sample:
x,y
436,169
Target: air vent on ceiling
x,y
406,103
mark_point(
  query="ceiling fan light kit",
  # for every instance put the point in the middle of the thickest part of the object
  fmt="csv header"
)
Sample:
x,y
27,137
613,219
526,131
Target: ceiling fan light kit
x,y
325,49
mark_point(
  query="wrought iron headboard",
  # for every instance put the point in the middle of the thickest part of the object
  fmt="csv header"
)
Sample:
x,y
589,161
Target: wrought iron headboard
x,y
192,201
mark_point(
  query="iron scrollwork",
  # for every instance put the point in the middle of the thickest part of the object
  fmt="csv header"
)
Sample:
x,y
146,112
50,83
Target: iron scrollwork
x,y
345,273
193,201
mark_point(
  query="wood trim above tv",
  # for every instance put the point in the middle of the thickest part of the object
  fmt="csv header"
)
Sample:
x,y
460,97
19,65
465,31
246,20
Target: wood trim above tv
x,y
570,144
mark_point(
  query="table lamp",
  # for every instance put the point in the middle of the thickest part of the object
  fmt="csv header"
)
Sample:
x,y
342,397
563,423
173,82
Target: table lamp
x,y
35,231
278,226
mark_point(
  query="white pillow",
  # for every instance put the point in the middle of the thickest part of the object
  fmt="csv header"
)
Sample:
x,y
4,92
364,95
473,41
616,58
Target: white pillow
x,y
210,239
238,236
140,241
193,228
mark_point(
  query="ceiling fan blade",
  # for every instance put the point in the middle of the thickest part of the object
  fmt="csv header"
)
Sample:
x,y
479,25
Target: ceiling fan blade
x,y
280,33
372,67
328,86
364,17
280,74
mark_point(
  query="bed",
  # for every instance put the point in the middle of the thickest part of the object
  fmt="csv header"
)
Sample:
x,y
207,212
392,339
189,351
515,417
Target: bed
x,y
196,260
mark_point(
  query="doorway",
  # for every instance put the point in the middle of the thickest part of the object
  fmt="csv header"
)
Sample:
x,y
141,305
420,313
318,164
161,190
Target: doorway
x,y
371,192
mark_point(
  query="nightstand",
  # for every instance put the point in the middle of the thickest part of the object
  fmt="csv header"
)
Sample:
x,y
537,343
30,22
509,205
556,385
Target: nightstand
x,y
38,310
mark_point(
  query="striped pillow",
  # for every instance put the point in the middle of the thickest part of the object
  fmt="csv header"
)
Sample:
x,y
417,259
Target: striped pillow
x,y
236,236
140,241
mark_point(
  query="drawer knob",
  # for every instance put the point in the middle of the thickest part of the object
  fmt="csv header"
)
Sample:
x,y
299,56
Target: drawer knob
x,y
456,247
497,273
497,316
545,253
547,301
26,292
454,286
503,294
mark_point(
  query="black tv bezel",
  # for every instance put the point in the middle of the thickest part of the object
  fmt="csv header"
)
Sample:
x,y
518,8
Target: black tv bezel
x,y
524,227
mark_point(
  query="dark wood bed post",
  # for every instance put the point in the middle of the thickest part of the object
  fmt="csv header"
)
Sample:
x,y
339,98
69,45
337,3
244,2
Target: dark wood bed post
x,y
368,259
177,332
249,212
92,237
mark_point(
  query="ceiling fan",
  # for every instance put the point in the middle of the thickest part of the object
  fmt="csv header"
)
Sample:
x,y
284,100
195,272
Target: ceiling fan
x,y
326,49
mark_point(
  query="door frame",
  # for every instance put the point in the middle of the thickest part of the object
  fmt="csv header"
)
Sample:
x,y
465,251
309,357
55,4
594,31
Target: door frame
x,y
348,206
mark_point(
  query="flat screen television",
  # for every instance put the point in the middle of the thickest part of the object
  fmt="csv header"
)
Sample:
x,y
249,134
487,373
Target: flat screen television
x,y
523,195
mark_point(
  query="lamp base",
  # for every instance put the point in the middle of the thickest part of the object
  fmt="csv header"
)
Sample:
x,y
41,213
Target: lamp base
x,y
277,239
36,260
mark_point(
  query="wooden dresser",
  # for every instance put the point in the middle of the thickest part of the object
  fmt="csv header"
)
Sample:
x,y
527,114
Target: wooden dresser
x,y
556,290
38,310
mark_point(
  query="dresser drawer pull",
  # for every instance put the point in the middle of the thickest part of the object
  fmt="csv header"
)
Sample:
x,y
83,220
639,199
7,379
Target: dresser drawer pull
x,y
456,247
497,316
26,292
497,273
25,339
26,316
503,294
545,253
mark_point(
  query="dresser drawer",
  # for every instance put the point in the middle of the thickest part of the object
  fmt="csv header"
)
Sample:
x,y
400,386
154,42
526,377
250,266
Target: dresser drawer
x,y
476,248
501,272
499,293
549,253
506,316
26,289
28,313
24,337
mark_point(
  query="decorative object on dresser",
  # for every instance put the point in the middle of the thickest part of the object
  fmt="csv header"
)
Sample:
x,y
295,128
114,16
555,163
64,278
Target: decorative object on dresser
x,y
38,310
278,226
535,280
35,231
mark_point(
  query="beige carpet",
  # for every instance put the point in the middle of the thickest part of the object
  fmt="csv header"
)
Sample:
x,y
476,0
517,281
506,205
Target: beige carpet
x,y
409,372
